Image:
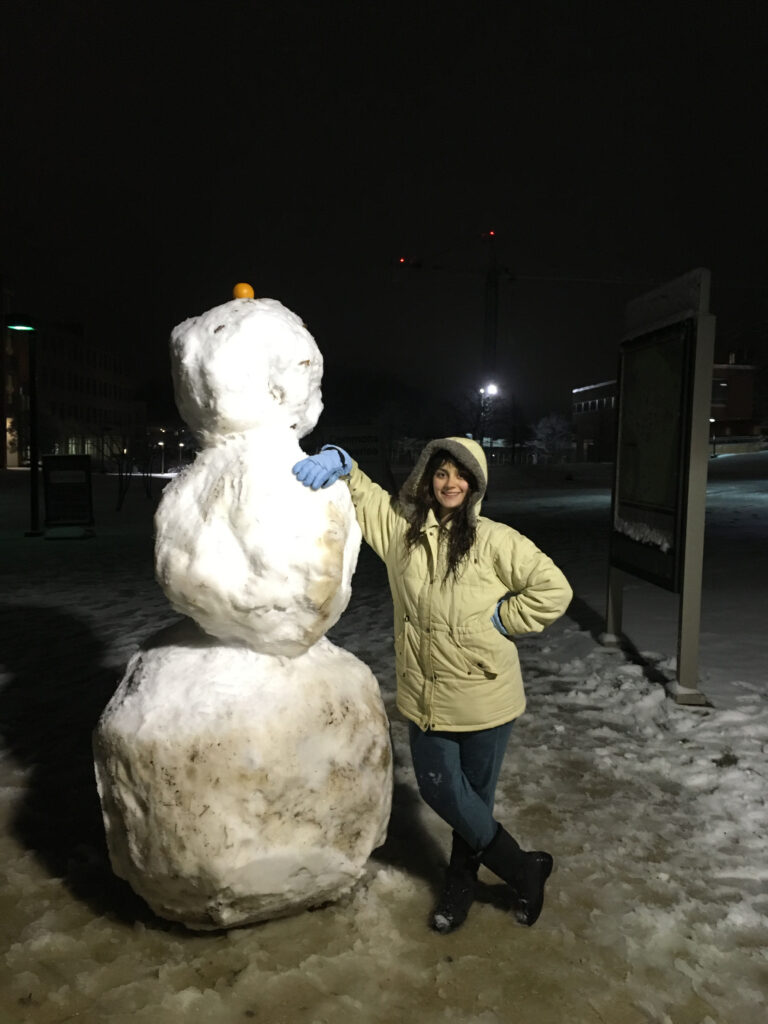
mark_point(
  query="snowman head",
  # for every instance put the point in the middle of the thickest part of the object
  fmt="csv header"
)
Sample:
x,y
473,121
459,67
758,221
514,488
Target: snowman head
x,y
245,365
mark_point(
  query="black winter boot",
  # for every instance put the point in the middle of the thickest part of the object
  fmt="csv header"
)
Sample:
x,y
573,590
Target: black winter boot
x,y
525,873
459,889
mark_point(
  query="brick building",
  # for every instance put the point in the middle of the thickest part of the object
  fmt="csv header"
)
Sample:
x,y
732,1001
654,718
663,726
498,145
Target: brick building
x,y
733,411
733,415
593,408
86,395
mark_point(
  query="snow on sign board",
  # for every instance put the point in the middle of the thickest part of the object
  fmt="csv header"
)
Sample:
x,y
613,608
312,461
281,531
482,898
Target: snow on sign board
x,y
643,533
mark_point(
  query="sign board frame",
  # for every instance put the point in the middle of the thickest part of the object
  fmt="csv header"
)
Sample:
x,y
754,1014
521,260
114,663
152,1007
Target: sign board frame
x,y
659,493
68,492
653,453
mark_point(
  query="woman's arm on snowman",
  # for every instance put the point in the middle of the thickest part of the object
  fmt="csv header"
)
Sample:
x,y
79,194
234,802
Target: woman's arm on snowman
x,y
538,592
373,505
375,509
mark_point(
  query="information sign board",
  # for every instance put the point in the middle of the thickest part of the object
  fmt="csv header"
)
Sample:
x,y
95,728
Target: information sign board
x,y
67,490
655,390
660,478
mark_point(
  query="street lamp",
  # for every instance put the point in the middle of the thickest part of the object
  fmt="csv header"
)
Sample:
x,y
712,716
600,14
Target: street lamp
x,y
161,446
487,394
181,445
25,325
712,436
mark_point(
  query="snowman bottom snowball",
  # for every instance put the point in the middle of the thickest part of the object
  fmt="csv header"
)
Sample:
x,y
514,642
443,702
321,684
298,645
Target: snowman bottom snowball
x,y
238,787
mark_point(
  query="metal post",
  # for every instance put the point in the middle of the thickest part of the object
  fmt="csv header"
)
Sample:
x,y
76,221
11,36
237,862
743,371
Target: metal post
x,y
491,310
34,448
615,602
690,592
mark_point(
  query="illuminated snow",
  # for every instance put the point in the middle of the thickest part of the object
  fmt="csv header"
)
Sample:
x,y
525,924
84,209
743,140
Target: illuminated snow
x,y
237,786
247,364
249,553
241,546
644,534
245,771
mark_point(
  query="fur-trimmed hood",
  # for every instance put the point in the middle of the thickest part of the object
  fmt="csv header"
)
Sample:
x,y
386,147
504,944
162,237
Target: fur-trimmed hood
x,y
467,452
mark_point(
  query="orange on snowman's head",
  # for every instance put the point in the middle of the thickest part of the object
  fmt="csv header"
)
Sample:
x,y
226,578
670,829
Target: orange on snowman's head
x,y
242,291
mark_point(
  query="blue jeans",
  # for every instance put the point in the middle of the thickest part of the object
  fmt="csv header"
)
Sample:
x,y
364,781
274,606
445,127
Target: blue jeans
x,y
457,772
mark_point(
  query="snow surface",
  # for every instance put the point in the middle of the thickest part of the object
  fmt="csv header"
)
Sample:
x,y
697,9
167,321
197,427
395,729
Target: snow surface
x,y
657,910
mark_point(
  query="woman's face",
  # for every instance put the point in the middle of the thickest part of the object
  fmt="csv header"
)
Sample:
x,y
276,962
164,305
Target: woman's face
x,y
450,487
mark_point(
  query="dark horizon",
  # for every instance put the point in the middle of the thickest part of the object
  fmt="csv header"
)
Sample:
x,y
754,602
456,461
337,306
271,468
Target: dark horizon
x,y
158,156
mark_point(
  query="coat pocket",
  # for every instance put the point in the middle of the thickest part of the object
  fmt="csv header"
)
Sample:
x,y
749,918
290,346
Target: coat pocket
x,y
480,651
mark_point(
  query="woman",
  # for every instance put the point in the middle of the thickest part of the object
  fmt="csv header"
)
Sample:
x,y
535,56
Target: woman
x,y
462,587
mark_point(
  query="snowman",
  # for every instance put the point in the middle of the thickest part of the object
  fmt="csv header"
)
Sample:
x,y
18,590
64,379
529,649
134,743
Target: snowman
x,y
243,764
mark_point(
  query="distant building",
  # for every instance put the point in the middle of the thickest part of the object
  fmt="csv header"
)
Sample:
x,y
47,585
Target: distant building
x,y
593,408
732,411
86,396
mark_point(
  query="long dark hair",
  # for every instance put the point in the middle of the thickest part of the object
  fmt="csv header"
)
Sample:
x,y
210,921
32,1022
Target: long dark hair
x,y
461,535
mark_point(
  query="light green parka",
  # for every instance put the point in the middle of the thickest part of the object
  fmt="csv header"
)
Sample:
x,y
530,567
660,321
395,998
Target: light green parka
x,y
455,670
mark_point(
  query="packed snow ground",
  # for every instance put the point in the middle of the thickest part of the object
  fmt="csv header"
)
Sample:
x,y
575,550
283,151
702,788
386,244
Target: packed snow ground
x,y
658,907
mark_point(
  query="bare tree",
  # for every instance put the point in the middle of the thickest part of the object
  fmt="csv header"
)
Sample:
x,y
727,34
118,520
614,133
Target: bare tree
x,y
552,437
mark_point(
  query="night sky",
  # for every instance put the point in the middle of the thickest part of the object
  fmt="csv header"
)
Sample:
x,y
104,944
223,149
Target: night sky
x,y
156,153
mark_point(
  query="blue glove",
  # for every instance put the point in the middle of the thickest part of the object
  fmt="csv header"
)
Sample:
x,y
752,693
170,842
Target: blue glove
x,y
323,469
496,618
